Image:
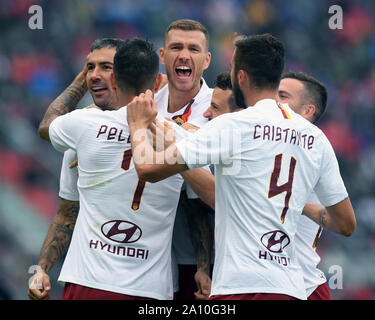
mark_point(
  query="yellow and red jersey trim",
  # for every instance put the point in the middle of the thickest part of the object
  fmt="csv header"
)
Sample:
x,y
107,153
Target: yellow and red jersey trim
x,y
184,117
285,113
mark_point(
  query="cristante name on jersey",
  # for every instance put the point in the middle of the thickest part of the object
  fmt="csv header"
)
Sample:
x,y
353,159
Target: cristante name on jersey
x,y
286,135
129,252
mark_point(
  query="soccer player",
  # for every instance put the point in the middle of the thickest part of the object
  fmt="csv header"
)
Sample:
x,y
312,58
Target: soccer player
x,y
222,98
308,97
184,99
268,160
121,243
185,56
96,78
198,59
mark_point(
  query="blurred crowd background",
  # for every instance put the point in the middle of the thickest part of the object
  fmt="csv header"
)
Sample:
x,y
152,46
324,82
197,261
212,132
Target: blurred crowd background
x,y
36,65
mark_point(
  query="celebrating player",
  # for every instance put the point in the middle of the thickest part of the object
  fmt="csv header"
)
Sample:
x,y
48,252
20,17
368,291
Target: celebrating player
x,y
307,97
121,244
96,78
185,56
222,98
268,160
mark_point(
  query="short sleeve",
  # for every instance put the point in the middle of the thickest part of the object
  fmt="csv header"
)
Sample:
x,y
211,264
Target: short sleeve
x,y
65,130
211,144
68,178
330,187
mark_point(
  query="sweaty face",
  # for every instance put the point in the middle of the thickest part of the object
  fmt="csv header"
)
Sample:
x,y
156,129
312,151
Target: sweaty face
x,y
219,103
100,70
185,57
291,91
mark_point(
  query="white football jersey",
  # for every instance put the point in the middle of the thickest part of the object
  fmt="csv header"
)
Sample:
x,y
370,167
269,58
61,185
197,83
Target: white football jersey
x,y
307,235
122,237
268,160
68,178
192,112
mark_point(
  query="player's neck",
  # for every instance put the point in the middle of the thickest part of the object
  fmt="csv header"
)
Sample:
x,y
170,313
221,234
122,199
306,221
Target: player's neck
x,y
179,99
125,98
255,96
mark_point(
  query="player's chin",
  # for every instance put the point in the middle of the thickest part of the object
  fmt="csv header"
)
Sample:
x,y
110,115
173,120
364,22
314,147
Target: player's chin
x,y
102,103
184,86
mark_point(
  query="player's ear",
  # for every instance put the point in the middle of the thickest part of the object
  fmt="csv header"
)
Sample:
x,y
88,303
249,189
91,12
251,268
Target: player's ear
x,y
242,78
207,60
161,53
309,111
158,81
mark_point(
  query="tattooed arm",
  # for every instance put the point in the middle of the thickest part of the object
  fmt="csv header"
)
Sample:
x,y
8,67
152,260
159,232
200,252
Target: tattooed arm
x,y
201,237
67,101
316,212
59,235
55,245
338,218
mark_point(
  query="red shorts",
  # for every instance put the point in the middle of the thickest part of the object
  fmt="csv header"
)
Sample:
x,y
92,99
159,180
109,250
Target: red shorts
x,y
74,291
321,293
252,296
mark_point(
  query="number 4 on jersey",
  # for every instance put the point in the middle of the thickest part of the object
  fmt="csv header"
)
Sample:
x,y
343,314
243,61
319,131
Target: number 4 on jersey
x,y
275,189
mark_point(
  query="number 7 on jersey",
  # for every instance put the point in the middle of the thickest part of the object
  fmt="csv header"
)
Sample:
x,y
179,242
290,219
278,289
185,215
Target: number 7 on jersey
x,y
125,165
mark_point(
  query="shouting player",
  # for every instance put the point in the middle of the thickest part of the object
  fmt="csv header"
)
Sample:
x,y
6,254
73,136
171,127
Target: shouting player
x,y
185,56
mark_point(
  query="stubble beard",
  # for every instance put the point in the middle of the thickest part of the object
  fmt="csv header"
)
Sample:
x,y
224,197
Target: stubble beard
x,y
238,95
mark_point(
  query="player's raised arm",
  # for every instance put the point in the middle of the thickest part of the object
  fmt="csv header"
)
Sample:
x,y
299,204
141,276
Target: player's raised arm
x,y
64,103
140,114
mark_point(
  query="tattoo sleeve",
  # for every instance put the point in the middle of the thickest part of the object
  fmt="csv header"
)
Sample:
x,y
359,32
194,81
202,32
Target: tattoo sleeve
x,y
59,235
64,103
197,215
